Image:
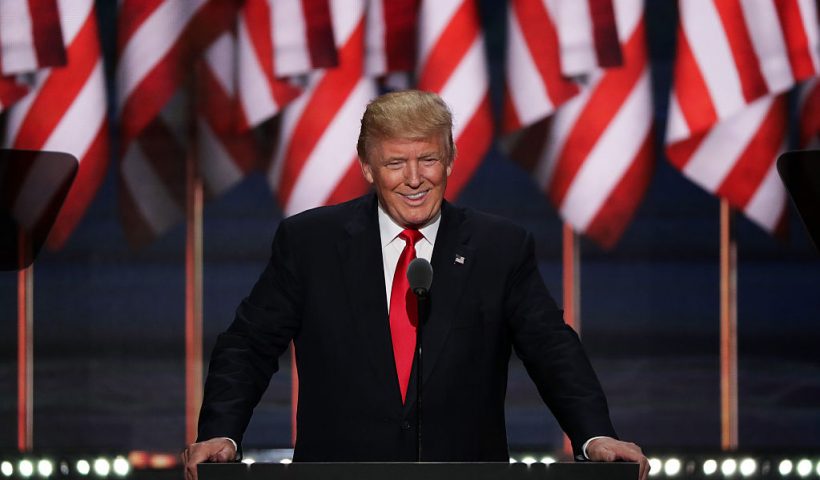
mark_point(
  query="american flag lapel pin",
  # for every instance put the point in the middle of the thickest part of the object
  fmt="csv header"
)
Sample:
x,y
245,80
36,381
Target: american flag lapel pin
x,y
459,259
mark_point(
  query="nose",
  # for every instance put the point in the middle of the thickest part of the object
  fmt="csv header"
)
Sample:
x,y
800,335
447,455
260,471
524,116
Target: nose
x,y
412,176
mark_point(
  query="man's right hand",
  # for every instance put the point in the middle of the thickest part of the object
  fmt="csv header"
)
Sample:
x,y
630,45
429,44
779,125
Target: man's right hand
x,y
217,450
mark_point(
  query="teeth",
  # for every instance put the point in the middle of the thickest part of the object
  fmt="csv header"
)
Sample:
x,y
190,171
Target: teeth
x,y
415,196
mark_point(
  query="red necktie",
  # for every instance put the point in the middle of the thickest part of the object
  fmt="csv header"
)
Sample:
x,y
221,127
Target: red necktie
x,y
403,312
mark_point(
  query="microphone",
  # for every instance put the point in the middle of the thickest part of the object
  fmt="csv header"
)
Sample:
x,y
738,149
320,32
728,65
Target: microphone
x,y
420,276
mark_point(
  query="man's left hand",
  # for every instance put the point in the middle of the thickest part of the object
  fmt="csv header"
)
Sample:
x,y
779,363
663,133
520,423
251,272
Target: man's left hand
x,y
607,449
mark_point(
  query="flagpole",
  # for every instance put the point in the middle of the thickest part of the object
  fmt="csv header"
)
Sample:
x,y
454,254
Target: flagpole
x,y
728,330
193,280
25,349
571,289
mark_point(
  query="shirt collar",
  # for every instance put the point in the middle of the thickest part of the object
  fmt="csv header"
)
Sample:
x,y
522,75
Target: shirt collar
x,y
389,229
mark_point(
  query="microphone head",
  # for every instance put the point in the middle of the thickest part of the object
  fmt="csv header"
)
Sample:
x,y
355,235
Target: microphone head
x,y
420,276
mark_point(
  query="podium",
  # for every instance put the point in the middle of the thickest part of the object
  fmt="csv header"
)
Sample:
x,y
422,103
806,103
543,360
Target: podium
x,y
419,471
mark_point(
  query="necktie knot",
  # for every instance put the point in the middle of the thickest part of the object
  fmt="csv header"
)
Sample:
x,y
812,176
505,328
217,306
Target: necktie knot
x,y
411,236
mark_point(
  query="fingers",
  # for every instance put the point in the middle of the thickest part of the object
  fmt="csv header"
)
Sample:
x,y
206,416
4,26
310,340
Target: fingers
x,y
213,450
607,449
643,472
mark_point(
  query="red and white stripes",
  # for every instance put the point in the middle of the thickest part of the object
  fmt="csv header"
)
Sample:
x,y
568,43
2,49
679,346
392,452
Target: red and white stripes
x,y
30,39
66,111
727,119
315,161
280,39
390,36
30,36
536,86
158,42
596,159
452,64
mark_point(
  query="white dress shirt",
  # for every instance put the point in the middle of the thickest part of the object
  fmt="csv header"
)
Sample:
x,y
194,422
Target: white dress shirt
x,y
392,246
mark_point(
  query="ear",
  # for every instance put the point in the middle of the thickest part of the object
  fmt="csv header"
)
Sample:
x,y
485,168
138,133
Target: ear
x,y
450,168
367,171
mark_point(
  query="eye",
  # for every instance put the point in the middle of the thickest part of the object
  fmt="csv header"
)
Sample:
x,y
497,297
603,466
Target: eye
x,y
394,164
429,161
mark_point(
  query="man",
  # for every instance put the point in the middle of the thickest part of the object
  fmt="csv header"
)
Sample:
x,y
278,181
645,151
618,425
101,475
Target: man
x,y
335,285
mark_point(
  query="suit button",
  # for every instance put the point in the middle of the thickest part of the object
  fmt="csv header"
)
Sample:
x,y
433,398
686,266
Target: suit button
x,y
405,425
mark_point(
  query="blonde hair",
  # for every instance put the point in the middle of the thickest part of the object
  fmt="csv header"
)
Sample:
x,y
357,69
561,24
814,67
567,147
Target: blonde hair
x,y
406,114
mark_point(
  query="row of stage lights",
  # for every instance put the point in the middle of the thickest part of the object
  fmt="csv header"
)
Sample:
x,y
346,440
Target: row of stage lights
x,y
45,468
670,467
715,468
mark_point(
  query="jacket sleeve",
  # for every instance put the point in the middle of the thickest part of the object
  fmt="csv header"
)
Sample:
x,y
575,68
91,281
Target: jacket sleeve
x,y
553,354
246,355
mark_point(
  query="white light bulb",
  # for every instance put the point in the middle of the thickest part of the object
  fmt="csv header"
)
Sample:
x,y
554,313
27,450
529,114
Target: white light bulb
x,y
748,467
655,466
102,467
710,467
728,467
672,467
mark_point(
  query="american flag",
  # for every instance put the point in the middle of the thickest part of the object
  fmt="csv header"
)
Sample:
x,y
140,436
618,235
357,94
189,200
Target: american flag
x,y
594,158
727,119
160,43
549,45
30,39
280,39
452,64
315,161
390,39
66,111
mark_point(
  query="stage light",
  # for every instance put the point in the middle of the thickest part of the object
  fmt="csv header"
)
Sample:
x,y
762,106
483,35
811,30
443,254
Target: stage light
x,y
710,467
513,460
528,460
45,468
655,466
83,467
804,467
102,467
785,467
748,467
6,468
286,461
549,460
728,467
121,466
248,461
26,468
818,469
672,467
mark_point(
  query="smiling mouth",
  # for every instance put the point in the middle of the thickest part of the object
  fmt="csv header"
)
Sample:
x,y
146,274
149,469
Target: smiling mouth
x,y
415,196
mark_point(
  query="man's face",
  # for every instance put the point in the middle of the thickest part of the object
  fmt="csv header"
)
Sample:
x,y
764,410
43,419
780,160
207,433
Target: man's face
x,y
410,177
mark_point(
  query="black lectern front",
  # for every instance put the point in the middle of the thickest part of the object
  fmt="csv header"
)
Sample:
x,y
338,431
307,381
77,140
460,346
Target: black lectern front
x,y
419,471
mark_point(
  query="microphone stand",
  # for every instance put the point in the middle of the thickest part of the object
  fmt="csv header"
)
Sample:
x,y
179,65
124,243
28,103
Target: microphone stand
x,y
423,304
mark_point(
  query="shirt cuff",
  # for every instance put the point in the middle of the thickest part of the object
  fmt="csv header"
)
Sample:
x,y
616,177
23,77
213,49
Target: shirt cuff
x,y
586,444
236,448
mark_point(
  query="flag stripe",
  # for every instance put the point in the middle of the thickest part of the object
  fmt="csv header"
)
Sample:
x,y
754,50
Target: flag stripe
x,y
328,97
603,105
46,32
400,18
322,47
754,162
455,40
799,53
743,53
617,210
604,33
58,92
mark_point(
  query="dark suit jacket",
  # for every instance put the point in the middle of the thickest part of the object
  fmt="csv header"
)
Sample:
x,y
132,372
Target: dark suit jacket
x,y
324,289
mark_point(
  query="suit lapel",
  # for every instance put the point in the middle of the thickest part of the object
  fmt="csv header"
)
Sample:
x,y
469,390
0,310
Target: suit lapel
x,y
452,261
361,259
